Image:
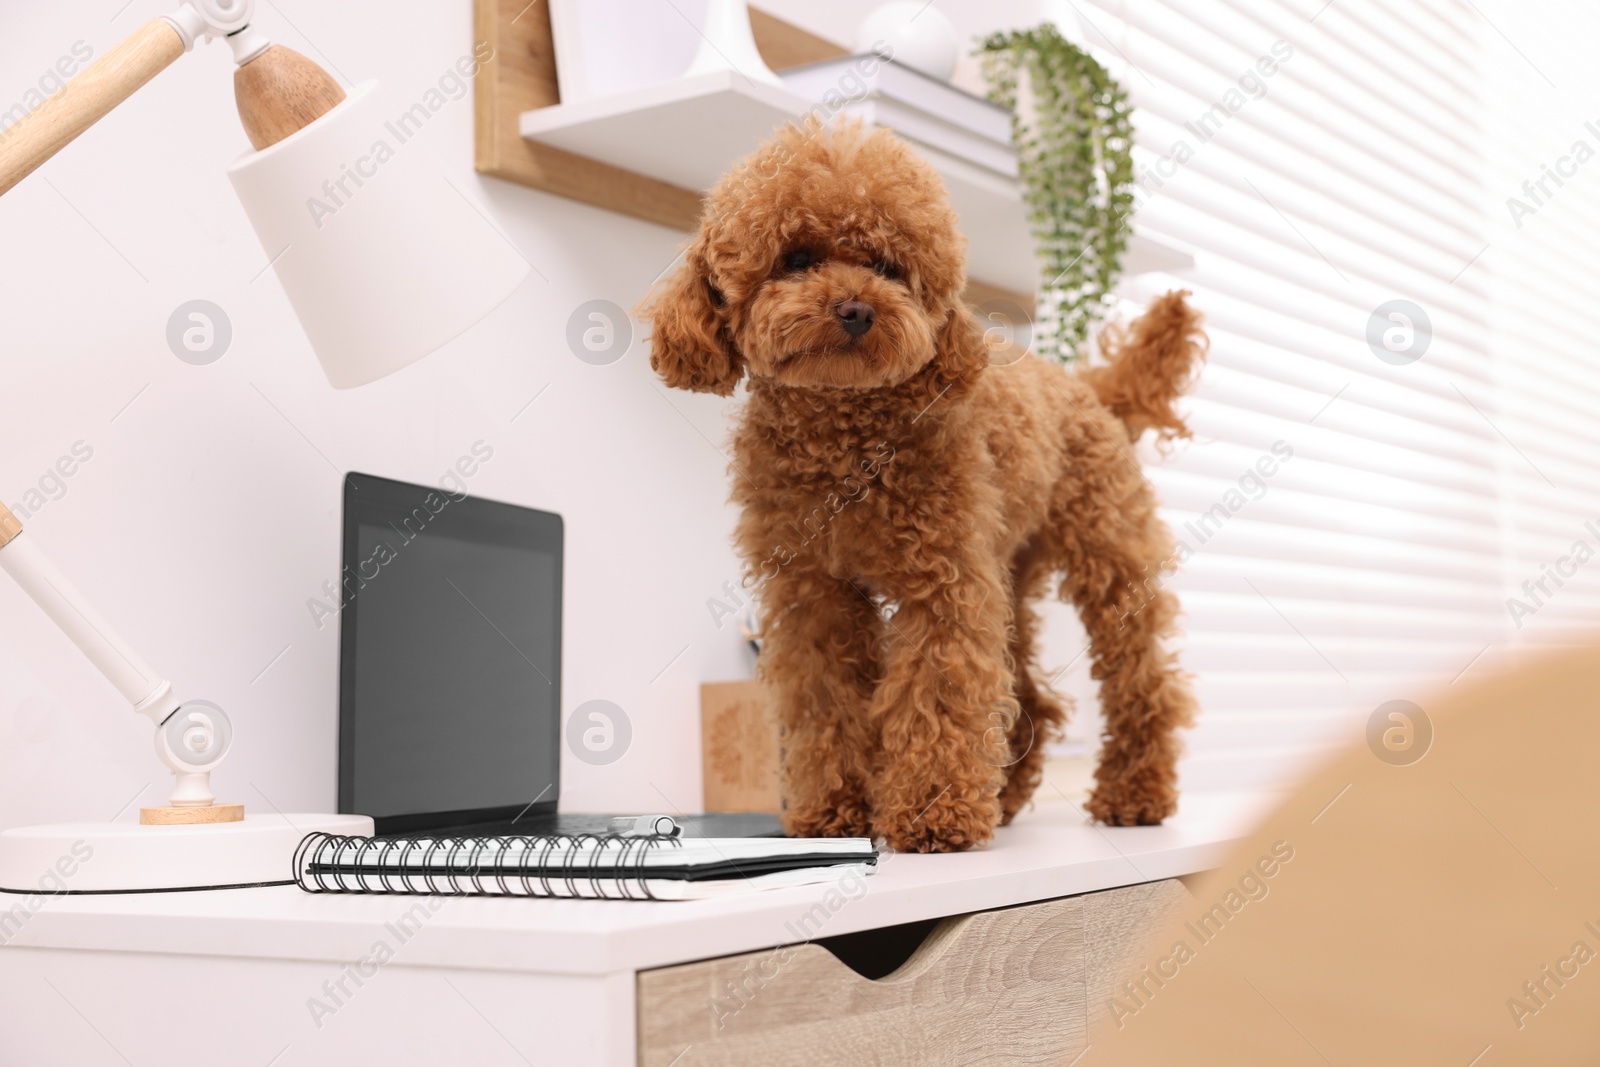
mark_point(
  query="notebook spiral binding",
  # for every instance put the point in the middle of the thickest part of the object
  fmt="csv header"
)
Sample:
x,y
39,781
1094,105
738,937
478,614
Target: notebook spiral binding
x,y
455,866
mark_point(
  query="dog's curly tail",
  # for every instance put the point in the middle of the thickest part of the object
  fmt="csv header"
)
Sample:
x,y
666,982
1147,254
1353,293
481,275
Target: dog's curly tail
x,y
1150,363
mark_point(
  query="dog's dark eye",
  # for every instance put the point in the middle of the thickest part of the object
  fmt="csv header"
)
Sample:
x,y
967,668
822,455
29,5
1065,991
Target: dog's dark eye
x,y
800,259
885,269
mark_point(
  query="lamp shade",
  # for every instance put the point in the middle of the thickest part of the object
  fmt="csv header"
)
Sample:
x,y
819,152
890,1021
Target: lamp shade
x,y
382,259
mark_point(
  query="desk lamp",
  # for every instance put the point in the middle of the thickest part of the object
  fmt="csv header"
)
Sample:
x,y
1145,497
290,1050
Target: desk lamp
x,y
383,262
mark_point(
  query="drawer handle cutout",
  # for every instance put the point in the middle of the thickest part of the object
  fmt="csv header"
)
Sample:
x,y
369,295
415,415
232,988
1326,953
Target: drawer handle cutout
x,y
875,954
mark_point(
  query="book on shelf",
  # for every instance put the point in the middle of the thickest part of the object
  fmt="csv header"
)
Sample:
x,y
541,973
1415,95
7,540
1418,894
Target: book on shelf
x,y
922,109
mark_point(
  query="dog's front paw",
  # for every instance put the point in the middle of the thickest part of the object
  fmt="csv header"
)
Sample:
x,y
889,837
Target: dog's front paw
x,y
949,823
1132,803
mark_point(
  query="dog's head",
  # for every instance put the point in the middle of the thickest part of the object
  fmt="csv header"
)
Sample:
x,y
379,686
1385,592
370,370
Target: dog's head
x,y
828,258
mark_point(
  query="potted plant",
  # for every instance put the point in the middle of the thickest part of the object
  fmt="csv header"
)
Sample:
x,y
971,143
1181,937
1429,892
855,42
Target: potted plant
x,y
1073,132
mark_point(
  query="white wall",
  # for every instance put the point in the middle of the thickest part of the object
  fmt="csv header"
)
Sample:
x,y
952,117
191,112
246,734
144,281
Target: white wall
x,y
209,512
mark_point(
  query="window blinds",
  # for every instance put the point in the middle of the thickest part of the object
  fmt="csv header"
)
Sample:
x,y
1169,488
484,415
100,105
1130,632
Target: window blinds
x,y
1419,373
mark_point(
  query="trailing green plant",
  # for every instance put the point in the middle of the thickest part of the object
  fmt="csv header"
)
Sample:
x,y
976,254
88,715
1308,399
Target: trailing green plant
x,y
1073,134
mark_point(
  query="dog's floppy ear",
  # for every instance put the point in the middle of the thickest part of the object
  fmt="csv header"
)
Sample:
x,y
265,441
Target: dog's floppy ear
x,y
689,347
960,349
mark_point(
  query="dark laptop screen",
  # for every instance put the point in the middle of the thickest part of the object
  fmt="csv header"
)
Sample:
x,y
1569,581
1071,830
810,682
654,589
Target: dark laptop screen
x,y
450,656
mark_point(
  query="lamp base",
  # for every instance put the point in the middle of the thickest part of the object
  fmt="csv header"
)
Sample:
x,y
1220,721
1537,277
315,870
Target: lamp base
x,y
132,858
189,816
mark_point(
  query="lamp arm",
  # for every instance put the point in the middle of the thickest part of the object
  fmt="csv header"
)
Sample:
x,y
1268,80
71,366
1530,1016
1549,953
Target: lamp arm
x,y
86,99
190,739
117,75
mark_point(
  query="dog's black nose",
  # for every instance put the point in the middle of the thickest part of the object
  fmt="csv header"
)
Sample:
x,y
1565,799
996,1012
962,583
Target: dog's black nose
x,y
855,316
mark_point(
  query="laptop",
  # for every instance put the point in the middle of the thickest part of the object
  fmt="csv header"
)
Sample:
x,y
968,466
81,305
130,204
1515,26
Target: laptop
x,y
450,671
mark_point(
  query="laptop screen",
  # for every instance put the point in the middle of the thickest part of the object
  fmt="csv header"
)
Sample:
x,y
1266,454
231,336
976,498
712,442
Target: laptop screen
x,y
450,660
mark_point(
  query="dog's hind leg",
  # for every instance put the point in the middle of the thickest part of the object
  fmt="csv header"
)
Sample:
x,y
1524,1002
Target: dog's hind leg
x,y
1041,713
1114,548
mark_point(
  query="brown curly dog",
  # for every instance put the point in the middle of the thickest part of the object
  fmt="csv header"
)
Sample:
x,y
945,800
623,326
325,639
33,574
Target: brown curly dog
x,y
906,493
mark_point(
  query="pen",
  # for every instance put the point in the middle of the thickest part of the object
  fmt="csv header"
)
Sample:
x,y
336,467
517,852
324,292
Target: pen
x,y
644,826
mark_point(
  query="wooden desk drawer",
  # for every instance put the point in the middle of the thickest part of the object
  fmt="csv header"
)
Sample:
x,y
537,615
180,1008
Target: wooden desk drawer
x,y
1018,986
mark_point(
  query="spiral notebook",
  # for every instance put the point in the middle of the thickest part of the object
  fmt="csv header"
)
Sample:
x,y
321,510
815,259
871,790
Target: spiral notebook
x,y
592,866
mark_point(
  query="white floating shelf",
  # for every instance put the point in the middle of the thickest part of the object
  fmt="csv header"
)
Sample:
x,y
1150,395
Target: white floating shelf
x,y
686,132
689,131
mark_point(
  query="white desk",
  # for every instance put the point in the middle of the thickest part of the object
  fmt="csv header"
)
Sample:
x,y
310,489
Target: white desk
x,y
237,976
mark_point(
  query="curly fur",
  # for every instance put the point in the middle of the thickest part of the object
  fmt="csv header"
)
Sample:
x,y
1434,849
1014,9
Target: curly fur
x,y
905,497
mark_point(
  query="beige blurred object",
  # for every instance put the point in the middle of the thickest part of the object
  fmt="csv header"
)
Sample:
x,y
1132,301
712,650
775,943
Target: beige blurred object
x,y
1441,912
739,748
